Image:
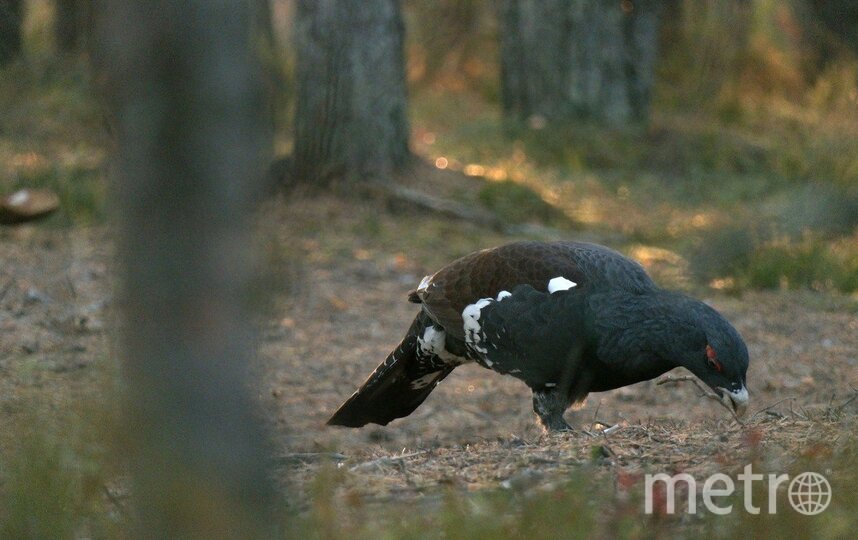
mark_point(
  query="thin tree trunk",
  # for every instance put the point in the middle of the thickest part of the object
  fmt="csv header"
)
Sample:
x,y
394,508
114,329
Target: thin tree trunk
x,y
67,22
840,17
570,59
350,112
10,30
263,25
73,25
187,175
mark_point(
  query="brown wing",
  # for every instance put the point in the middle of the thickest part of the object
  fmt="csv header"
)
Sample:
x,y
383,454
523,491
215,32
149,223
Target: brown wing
x,y
485,273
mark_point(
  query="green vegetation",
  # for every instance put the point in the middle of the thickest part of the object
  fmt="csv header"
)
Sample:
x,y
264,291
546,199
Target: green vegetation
x,y
759,210
748,170
516,203
50,489
81,192
810,263
586,504
54,136
58,468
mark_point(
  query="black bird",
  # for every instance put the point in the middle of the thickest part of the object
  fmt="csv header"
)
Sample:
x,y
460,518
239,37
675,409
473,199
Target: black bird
x,y
567,318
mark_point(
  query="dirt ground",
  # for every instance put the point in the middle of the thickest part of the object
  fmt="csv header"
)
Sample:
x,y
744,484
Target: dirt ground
x,y
339,275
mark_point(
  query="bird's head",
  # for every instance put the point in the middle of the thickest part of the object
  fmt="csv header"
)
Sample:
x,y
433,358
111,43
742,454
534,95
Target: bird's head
x,y
678,331
717,355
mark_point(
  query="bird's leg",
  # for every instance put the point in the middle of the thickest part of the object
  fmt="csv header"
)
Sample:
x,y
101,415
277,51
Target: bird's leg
x,y
549,405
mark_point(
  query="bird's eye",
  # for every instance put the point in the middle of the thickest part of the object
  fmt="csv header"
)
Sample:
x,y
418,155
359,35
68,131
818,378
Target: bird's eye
x,y
712,358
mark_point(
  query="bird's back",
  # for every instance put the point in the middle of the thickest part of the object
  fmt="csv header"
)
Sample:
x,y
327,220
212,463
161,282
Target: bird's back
x,y
485,273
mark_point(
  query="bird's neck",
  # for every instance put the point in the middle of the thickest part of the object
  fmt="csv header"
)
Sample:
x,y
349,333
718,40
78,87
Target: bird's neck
x,y
645,334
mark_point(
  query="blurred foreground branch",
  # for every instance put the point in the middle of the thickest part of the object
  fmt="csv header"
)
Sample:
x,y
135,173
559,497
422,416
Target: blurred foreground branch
x,y
185,94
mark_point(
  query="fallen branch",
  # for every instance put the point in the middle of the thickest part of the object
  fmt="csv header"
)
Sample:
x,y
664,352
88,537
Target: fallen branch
x,y
704,392
445,207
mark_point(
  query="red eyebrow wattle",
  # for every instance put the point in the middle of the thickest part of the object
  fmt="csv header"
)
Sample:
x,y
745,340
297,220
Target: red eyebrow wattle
x,y
710,353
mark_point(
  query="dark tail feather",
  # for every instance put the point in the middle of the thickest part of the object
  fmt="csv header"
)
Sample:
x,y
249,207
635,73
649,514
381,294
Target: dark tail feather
x,y
396,387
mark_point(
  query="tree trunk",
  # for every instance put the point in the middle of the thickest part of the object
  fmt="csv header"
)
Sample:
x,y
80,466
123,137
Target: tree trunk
x,y
187,177
263,25
66,25
10,30
840,17
350,112
69,24
563,60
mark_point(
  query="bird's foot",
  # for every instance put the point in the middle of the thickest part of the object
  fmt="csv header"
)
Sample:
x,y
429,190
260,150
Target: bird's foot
x,y
549,405
555,424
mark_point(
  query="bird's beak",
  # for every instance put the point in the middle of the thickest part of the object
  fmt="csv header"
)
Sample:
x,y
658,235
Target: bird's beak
x,y
736,399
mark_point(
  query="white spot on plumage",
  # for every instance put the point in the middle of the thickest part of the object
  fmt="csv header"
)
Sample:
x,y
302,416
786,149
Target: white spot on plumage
x,y
424,283
471,325
560,283
434,342
550,384
503,294
473,310
424,381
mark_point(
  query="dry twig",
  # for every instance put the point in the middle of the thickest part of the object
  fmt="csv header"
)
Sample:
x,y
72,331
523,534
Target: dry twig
x,y
773,405
704,392
845,404
609,430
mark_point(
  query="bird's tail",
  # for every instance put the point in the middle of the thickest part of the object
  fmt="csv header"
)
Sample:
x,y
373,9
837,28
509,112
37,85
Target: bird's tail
x,y
398,386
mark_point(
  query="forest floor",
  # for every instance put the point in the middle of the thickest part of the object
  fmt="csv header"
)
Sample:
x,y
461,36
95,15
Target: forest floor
x,y
341,270
332,304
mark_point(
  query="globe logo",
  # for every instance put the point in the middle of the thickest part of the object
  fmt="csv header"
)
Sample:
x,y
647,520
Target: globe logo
x,y
809,493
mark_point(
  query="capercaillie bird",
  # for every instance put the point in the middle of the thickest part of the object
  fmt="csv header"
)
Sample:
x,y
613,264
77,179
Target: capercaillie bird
x,y
566,318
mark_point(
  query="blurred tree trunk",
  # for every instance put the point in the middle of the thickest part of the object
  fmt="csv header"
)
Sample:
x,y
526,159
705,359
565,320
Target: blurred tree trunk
x,y
448,31
272,64
10,30
569,59
350,111
73,24
186,92
840,17
263,25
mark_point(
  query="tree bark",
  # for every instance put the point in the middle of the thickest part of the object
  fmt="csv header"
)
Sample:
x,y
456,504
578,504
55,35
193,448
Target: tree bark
x,y
66,25
350,112
564,60
71,24
840,17
187,176
10,30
